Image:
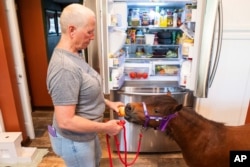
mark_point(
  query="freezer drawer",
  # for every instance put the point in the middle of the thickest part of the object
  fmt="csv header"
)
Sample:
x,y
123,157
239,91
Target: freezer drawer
x,y
152,140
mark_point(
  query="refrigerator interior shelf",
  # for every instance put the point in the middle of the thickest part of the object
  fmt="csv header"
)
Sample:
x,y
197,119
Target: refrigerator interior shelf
x,y
153,27
155,78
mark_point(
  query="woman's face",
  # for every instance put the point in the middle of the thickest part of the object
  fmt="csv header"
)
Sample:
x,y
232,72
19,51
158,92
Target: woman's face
x,y
83,35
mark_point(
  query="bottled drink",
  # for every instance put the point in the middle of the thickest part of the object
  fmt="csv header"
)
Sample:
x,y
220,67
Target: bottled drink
x,y
115,78
175,17
130,17
157,16
163,18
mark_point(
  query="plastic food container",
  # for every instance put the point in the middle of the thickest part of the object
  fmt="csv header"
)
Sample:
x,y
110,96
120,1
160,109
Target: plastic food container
x,y
135,22
164,35
149,39
164,41
137,72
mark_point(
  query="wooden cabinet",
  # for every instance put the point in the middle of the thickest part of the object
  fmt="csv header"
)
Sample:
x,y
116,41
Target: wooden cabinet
x,y
33,36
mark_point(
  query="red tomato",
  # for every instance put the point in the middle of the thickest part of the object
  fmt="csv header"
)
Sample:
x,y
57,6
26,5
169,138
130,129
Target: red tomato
x,y
145,75
139,75
132,75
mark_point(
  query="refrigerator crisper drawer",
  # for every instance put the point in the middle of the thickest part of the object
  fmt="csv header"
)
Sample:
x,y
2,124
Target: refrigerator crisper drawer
x,y
152,140
163,68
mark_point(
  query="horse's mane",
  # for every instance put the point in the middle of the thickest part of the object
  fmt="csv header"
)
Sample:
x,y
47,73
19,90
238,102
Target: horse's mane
x,y
197,116
194,119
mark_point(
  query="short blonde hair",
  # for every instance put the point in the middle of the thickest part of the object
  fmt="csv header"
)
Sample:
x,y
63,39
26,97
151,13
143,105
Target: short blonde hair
x,y
76,15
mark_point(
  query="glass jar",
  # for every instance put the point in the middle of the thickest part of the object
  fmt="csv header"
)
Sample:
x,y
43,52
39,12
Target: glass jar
x,y
145,19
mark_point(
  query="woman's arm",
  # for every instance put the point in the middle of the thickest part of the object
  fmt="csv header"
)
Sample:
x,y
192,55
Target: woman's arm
x,y
66,119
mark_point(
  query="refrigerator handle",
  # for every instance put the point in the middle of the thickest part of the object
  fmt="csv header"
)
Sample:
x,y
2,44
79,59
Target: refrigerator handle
x,y
219,43
206,49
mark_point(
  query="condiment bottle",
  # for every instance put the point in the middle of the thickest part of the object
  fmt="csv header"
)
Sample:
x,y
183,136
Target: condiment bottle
x,y
186,47
115,78
133,35
169,19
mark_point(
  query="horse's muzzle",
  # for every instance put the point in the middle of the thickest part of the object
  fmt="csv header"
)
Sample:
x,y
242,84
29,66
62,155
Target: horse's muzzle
x,y
128,112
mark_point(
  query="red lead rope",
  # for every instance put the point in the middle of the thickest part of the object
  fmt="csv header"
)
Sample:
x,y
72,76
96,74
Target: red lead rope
x,y
124,161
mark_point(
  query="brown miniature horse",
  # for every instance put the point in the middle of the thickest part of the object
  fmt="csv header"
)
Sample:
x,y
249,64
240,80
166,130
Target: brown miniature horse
x,y
204,143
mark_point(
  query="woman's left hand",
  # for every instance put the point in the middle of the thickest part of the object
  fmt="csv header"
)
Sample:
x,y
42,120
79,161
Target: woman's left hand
x,y
114,105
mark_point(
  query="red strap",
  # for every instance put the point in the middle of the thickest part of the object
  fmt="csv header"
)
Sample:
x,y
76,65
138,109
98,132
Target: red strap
x,y
124,161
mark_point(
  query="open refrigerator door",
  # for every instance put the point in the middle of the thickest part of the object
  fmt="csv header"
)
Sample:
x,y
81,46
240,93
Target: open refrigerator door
x,y
105,52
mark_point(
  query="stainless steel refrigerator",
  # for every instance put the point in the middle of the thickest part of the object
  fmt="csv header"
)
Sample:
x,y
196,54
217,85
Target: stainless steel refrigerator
x,y
114,55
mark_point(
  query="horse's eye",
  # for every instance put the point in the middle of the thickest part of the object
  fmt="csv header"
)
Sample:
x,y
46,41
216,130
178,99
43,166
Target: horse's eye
x,y
156,111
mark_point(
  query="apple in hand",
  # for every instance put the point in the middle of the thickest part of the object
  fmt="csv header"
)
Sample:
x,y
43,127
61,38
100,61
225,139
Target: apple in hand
x,y
121,111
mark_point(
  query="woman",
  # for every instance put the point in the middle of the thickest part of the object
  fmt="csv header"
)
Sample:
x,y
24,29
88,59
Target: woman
x,y
76,92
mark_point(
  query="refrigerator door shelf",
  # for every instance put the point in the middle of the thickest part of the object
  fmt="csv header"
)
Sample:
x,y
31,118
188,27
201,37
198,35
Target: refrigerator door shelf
x,y
117,80
116,60
114,44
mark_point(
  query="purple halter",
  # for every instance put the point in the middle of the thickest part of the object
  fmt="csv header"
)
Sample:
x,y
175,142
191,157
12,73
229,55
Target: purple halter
x,y
164,120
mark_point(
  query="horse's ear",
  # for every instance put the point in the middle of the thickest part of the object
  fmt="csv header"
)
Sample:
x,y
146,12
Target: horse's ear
x,y
178,107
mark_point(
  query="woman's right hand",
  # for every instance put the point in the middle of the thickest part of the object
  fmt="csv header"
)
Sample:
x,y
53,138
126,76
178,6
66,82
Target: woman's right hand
x,y
113,127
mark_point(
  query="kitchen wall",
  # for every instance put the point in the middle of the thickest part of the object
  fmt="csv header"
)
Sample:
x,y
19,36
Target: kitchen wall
x,y
248,115
229,96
